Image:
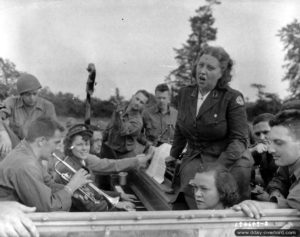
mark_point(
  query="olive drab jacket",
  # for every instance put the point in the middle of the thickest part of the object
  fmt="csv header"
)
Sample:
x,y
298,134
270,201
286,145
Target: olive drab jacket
x,y
219,131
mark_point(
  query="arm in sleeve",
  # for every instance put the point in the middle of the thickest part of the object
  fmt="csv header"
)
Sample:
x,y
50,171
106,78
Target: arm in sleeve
x,y
50,111
237,131
293,198
130,127
279,183
142,136
291,201
32,191
179,140
109,165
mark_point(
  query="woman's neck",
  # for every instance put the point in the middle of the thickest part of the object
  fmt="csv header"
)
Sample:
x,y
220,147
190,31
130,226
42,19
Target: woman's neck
x,y
203,91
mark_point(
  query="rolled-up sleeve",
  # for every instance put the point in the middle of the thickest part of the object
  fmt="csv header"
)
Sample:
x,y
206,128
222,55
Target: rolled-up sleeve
x,y
50,111
237,131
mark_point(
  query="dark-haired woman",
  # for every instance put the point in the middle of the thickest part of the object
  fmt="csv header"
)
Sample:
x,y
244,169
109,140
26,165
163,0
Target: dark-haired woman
x,y
212,123
214,188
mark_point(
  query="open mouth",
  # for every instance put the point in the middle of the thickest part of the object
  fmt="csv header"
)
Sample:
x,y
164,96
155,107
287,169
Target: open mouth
x,y
201,78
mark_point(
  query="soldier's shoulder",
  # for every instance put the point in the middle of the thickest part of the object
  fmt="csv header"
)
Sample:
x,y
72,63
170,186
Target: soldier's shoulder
x,y
46,102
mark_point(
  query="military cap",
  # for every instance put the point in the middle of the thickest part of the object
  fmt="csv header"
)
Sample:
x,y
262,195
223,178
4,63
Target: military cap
x,y
81,128
27,82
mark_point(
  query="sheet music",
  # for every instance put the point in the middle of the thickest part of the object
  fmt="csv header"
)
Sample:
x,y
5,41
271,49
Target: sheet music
x,y
157,168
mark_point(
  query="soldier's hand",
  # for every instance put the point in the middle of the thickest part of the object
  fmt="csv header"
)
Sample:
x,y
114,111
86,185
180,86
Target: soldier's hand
x,y
128,206
144,158
5,143
260,148
250,208
13,221
80,178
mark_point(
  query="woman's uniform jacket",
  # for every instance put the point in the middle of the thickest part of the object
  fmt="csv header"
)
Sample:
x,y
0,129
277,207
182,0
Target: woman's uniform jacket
x,y
218,133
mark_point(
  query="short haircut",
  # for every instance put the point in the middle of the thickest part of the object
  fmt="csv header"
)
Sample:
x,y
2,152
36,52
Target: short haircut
x,y
225,183
42,127
162,88
265,117
290,119
144,92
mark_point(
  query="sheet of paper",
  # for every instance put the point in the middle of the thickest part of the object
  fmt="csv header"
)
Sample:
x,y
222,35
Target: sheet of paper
x,y
157,168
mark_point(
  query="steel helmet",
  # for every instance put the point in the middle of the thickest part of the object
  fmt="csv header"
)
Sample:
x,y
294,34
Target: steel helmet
x,y
27,82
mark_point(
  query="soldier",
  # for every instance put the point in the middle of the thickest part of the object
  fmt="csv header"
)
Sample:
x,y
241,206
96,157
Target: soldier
x,y
159,120
120,137
264,164
21,110
284,188
22,177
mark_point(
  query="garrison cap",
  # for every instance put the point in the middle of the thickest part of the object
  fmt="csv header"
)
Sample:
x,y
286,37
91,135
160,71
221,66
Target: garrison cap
x,y
27,82
80,129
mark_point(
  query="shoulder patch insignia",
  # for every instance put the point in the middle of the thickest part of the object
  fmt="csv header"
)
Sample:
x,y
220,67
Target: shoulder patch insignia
x,y
239,100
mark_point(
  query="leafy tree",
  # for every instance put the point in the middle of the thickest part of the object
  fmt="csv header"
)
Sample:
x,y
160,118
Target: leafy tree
x,y
202,32
8,77
290,36
266,102
260,89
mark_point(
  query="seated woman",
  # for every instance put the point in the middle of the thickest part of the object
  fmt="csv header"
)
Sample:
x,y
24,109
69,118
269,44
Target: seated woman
x,y
77,152
214,188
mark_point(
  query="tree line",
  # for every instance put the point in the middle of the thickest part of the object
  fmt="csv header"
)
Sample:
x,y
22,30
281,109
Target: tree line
x,y
203,31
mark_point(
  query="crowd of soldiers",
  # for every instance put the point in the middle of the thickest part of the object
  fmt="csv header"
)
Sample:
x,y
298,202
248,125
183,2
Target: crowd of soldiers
x,y
209,131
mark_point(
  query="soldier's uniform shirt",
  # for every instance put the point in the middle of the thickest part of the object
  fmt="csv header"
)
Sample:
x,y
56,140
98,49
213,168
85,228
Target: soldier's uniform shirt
x,y
123,129
158,126
284,188
23,179
19,118
217,133
266,164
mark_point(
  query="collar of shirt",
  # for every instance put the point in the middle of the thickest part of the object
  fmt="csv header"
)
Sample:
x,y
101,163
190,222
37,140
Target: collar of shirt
x,y
200,100
294,170
157,110
20,103
26,145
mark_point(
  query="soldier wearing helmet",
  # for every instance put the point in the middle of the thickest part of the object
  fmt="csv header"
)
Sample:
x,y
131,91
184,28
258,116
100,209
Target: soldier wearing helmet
x,y
21,110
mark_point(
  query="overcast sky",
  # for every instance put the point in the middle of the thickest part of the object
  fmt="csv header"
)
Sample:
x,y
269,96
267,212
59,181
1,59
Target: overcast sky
x,y
131,41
